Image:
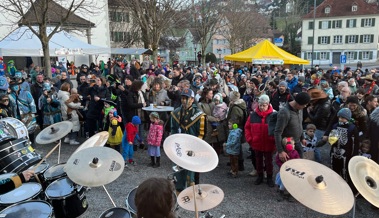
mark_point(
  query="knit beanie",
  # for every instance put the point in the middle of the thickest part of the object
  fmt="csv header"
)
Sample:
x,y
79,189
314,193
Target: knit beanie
x,y
218,97
344,113
302,98
154,115
136,120
264,99
234,96
283,83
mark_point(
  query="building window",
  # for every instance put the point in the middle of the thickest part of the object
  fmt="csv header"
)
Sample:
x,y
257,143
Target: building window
x,y
365,55
351,55
120,36
310,40
308,55
351,39
354,8
351,23
366,39
324,55
323,40
116,16
327,10
310,25
325,25
368,22
337,40
337,24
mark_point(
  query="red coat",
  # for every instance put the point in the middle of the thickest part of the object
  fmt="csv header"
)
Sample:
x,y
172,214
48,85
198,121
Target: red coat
x,y
256,131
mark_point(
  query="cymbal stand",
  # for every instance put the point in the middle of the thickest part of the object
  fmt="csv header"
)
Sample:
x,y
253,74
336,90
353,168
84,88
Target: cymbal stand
x,y
109,196
194,201
59,150
355,202
209,215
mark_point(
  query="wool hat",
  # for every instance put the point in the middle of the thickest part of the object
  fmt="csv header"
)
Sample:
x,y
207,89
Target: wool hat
x,y
255,81
302,98
301,79
4,83
234,96
352,99
188,92
136,120
283,83
311,126
264,99
218,97
154,115
344,113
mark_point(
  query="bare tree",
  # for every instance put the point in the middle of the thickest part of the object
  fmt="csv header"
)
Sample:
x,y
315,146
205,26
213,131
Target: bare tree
x,y
154,17
242,24
43,14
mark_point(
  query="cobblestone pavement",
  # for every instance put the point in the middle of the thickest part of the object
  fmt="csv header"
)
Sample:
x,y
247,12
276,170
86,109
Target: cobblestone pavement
x,y
242,198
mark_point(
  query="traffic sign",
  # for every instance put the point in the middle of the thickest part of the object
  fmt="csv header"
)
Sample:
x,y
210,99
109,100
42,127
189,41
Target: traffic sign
x,y
343,59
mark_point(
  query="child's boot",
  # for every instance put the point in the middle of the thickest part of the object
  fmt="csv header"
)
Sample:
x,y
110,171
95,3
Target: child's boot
x,y
259,179
152,164
270,182
158,164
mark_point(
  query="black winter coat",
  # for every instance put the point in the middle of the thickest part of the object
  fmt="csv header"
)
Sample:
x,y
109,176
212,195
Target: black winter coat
x,y
132,106
95,107
321,114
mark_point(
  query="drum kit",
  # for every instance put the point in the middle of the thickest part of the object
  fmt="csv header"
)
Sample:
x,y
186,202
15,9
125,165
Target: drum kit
x,y
57,190
321,189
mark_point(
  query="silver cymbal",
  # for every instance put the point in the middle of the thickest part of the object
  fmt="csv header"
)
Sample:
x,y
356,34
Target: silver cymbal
x,y
207,198
54,132
97,140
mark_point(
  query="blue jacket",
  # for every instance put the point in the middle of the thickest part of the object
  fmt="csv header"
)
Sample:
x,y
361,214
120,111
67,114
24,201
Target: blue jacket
x,y
292,83
233,145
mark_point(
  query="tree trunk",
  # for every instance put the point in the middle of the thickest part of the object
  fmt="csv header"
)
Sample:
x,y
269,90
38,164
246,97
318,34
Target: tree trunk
x,y
46,54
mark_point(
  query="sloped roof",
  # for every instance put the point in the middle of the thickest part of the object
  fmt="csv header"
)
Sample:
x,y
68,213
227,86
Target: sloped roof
x,y
341,8
195,34
54,16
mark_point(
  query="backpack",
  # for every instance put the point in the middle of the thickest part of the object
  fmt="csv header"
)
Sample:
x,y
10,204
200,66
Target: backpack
x,y
244,119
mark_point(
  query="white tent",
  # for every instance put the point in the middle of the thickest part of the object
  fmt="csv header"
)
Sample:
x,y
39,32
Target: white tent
x,y
22,42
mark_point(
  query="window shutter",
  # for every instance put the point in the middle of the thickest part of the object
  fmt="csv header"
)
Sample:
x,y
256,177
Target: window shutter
x,y
372,38
347,23
362,22
320,24
318,56
310,25
305,55
328,40
371,54
334,24
355,55
373,22
329,24
360,55
361,39
319,40
346,39
340,23
310,40
355,23
327,55
356,38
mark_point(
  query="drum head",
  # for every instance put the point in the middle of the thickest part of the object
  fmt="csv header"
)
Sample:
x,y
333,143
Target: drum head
x,y
60,188
116,212
24,192
41,168
130,203
7,176
55,171
29,209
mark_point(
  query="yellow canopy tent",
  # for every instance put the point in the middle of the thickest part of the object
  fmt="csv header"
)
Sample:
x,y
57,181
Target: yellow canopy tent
x,y
266,53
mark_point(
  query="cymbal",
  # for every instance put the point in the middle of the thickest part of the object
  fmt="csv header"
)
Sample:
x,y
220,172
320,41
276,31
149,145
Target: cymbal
x,y
97,140
317,186
364,174
54,132
190,152
209,197
95,166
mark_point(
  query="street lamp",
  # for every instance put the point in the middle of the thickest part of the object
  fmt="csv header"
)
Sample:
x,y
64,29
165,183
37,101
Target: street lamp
x,y
195,48
313,33
219,54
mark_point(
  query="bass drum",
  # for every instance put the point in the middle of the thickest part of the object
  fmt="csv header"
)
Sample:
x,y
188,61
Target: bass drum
x,y
17,155
15,127
28,209
116,212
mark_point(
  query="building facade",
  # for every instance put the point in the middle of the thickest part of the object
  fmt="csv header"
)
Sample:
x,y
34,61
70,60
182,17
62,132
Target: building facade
x,y
341,27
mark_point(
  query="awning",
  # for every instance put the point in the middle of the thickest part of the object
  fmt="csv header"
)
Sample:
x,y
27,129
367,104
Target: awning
x,y
266,52
23,42
131,51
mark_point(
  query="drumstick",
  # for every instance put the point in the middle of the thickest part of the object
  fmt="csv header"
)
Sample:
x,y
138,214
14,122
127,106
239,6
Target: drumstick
x,y
47,155
36,177
194,201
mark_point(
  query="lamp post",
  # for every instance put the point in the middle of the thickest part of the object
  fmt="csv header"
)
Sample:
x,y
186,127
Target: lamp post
x,y
219,54
313,34
195,48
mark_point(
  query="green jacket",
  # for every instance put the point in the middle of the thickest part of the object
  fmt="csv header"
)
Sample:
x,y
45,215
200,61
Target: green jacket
x,y
191,121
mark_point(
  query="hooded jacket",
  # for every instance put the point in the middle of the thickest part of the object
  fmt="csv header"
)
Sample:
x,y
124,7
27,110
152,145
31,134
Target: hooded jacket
x,y
373,134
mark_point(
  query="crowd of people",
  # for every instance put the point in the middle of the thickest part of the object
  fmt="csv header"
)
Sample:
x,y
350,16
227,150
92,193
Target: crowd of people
x,y
281,113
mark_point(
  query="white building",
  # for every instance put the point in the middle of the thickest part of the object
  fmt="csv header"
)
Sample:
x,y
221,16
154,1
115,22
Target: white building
x,y
342,27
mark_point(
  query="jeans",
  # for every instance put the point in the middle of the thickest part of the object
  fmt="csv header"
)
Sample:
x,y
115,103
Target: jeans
x,y
319,134
127,152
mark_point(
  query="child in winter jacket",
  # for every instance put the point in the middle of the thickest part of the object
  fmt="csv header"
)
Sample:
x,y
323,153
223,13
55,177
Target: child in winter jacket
x,y
154,139
233,146
219,111
130,134
114,130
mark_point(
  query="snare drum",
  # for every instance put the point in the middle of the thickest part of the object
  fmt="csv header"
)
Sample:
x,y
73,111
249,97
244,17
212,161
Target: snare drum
x,y
25,192
116,212
68,199
39,172
15,127
28,209
53,173
17,155
130,201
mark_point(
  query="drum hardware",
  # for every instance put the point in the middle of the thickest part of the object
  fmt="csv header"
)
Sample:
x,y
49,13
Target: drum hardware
x,y
116,212
207,197
364,175
171,176
93,167
114,204
317,187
